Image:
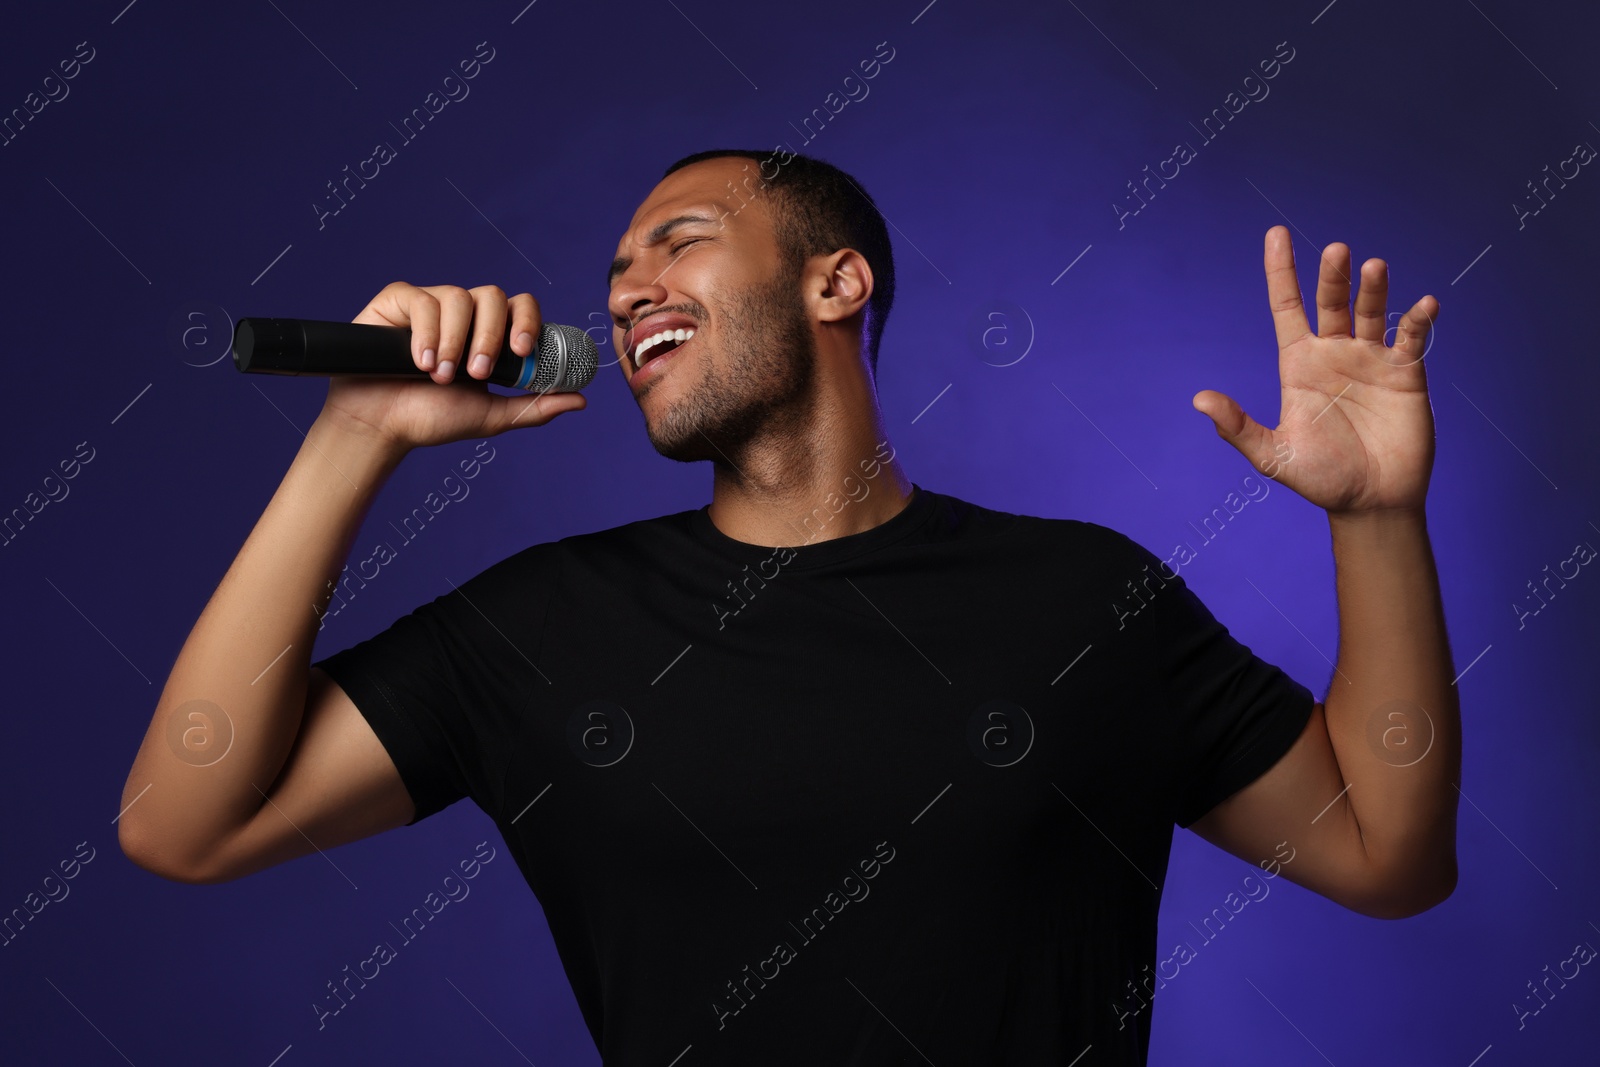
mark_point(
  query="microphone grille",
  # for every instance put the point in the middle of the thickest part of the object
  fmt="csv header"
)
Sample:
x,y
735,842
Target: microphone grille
x,y
566,360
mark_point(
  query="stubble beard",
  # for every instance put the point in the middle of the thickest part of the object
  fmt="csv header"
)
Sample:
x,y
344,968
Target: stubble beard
x,y
766,386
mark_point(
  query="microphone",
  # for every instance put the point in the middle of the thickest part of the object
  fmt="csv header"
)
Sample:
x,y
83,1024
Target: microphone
x,y
564,358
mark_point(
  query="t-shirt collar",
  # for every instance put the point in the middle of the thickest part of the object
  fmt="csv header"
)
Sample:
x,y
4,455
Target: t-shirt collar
x,y
916,511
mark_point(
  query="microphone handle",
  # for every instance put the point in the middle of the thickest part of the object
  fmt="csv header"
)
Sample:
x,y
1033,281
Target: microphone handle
x,y
280,346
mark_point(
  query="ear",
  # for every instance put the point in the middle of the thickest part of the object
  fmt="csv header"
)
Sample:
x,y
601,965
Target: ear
x,y
839,284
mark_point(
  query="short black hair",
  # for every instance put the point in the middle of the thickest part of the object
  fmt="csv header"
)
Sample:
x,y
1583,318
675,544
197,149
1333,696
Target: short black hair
x,y
822,210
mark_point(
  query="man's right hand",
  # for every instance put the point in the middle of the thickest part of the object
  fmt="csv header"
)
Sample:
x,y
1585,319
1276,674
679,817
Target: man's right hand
x,y
408,413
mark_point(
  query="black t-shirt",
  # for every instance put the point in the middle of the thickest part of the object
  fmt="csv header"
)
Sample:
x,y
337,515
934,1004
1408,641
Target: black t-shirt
x,y
899,794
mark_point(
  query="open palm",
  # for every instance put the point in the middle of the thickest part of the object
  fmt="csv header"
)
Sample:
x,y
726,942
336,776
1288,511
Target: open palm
x,y
1355,411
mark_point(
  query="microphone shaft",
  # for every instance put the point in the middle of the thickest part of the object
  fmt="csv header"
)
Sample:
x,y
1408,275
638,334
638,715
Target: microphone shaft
x,y
312,347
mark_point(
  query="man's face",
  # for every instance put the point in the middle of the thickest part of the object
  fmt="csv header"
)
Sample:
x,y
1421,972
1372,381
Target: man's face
x,y
701,258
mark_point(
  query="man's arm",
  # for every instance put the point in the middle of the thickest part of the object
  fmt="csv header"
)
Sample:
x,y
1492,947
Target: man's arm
x,y
237,712
251,757
1367,794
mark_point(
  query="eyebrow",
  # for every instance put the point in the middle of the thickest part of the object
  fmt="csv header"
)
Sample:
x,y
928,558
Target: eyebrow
x,y
655,236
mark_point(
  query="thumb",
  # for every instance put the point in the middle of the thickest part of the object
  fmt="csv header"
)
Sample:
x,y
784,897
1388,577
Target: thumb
x,y
1253,440
533,409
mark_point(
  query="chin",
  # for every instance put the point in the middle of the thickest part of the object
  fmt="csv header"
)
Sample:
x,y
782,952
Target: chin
x,y
689,450
676,438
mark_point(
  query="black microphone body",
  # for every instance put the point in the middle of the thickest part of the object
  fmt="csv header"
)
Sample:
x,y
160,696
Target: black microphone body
x,y
564,358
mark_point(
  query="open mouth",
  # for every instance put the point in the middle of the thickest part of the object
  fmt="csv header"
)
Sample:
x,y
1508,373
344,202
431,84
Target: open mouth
x,y
660,344
656,348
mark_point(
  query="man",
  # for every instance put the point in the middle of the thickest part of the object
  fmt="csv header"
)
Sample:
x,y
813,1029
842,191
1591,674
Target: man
x,y
837,769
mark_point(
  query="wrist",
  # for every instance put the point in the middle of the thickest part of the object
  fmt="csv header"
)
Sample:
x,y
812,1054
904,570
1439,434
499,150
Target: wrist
x,y
1378,517
1378,528
358,451
351,436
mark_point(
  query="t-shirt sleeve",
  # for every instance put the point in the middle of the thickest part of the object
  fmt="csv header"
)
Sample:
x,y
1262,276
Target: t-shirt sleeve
x,y
1232,714
441,684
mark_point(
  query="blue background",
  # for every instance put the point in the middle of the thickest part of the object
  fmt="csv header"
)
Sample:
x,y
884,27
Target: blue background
x,y
172,189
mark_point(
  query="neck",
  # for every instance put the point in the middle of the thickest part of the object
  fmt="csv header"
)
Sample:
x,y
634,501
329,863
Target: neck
x,y
830,475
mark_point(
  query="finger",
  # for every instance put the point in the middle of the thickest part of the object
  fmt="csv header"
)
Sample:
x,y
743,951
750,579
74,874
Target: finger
x,y
1283,290
1411,338
411,306
401,304
455,316
1333,292
525,323
1253,440
488,329
514,412
1371,299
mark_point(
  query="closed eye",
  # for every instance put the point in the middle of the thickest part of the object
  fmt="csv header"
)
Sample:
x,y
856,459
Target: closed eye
x,y
688,241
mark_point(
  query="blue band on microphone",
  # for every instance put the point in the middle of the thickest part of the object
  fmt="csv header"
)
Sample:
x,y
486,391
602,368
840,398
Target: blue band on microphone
x,y
525,378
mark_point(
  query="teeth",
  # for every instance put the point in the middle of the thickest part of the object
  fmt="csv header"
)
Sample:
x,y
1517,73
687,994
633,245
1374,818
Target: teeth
x,y
679,335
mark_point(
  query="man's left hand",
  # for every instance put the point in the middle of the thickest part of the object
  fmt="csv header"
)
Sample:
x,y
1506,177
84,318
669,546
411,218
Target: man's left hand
x,y
1355,411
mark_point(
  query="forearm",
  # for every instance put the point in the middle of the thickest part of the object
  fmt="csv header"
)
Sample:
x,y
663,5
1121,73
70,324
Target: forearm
x,y
1392,710
244,666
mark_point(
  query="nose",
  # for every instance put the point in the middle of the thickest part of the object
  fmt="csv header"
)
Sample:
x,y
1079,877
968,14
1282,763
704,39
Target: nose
x,y
633,295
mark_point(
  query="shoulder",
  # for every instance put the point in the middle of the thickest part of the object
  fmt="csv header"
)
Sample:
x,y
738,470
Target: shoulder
x,y
624,534
1083,538
522,584
621,549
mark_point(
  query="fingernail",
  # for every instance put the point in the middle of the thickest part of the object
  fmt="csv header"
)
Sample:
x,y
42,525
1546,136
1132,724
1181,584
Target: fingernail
x,y
446,368
427,358
479,367
525,340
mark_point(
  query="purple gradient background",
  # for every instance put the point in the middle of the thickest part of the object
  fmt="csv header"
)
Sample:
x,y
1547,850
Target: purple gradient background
x,y
996,141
